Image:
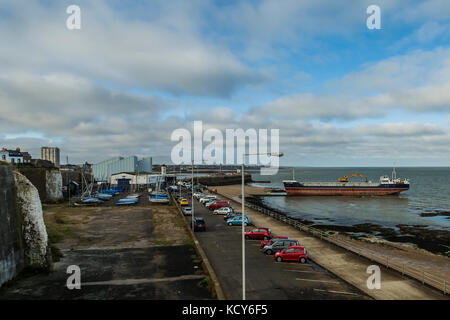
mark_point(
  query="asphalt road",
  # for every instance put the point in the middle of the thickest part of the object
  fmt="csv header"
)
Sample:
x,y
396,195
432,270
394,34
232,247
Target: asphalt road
x,y
265,278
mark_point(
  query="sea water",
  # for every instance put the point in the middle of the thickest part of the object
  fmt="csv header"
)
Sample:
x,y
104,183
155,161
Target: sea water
x,y
429,192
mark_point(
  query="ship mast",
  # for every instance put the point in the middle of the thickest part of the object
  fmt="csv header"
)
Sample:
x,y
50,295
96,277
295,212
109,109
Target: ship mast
x,y
394,173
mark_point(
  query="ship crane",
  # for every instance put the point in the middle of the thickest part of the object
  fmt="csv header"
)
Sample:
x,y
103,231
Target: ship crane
x,y
345,179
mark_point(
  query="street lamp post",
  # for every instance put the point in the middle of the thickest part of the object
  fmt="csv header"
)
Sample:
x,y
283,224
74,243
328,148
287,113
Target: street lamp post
x,y
192,196
273,154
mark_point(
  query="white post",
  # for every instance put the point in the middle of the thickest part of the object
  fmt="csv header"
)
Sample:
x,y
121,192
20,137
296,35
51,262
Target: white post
x,y
243,228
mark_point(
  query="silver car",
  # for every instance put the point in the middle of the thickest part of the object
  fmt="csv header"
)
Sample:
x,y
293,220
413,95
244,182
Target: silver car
x,y
279,245
223,210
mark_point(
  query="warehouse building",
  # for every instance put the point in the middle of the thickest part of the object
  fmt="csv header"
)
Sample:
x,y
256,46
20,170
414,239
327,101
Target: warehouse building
x,y
103,171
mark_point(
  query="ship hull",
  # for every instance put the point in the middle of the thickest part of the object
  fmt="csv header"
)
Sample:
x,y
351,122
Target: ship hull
x,y
308,191
298,189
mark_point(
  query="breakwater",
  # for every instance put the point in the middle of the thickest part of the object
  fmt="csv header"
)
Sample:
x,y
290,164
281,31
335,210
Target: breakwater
x,y
223,180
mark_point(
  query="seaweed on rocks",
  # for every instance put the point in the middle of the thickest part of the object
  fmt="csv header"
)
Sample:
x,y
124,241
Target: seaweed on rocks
x,y
432,240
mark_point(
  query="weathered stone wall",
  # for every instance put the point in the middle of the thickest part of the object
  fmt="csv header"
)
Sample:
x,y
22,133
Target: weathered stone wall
x,y
48,182
34,232
23,236
37,177
53,185
11,245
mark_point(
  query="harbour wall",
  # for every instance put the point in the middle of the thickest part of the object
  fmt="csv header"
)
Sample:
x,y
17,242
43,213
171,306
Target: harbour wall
x,y
223,180
23,236
48,182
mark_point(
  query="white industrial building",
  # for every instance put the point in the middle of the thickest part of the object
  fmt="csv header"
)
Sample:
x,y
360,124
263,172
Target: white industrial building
x,y
142,179
103,171
133,177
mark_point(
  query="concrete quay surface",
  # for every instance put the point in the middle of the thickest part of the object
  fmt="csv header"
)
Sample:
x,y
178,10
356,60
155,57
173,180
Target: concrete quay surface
x,y
265,278
344,264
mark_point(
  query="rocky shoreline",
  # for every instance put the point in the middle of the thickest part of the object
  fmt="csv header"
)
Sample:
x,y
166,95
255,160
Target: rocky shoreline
x,y
432,240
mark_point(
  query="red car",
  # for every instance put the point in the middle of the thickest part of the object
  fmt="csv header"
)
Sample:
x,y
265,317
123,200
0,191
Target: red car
x,y
259,233
218,205
293,253
270,241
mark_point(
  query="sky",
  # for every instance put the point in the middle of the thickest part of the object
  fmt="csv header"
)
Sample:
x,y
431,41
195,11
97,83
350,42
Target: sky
x,y
339,93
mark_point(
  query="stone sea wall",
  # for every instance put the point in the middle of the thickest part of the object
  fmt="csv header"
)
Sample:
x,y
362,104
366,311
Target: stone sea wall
x,y
23,236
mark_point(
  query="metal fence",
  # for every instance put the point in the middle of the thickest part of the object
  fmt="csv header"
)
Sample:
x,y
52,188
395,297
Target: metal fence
x,y
423,276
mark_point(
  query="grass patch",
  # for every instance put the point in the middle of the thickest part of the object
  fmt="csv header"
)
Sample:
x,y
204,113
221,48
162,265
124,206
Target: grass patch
x,y
204,283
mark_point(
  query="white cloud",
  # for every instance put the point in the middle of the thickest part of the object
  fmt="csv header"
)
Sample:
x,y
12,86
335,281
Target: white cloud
x,y
148,54
78,89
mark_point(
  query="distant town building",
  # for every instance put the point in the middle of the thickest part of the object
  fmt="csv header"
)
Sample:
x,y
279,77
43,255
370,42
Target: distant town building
x,y
11,156
103,171
50,154
86,167
26,157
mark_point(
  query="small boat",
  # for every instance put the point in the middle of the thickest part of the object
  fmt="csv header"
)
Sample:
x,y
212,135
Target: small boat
x,y
159,197
133,196
91,200
127,201
110,191
104,196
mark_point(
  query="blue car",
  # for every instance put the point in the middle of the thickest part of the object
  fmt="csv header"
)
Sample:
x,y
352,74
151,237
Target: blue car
x,y
237,221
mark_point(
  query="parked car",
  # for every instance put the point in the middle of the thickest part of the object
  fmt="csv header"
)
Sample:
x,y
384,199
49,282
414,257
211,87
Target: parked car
x,y
270,241
293,253
187,211
232,215
258,234
218,204
279,245
197,195
237,221
209,202
223,210
184,202
207,199
199,224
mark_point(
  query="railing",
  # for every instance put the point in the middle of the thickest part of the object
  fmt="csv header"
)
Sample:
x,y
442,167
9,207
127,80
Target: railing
x,y
423,276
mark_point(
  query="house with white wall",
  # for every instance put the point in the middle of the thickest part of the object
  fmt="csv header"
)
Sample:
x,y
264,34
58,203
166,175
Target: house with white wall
x,y
11,156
